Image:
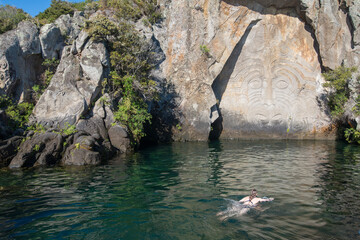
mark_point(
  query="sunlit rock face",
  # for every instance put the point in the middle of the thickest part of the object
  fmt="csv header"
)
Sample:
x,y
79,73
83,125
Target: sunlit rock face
x,y
269,87
261,76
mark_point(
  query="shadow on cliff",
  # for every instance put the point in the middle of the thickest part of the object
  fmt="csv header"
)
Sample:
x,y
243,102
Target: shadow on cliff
x,y
221,81
165,117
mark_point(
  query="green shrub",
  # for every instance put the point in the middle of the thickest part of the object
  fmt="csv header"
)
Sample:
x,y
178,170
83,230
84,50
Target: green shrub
x,y
37,128
36,147
129,72
82,6
101,28
56,9
337,81
135,9
132,110
17,114
352,135
10,17
204,49
50,69
68,129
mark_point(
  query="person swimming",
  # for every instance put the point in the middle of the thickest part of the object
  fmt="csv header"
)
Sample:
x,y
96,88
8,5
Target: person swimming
x,y
238,208
252,199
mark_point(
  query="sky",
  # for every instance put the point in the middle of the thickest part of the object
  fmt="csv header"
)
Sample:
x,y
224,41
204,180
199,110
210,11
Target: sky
x,y
33,7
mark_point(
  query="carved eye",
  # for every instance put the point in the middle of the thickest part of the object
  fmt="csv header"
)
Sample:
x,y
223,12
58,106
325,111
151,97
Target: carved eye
x,y
282,84
255,84
3,65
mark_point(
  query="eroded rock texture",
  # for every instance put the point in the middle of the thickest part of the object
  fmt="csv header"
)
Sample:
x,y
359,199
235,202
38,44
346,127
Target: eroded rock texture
x,y
260,73
74,87
20,60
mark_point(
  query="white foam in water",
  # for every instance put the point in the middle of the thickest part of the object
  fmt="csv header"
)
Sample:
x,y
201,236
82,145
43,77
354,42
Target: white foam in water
x,y
234,209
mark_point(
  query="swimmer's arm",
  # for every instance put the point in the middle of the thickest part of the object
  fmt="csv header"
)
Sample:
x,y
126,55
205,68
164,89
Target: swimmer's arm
x,y
265,199
245,199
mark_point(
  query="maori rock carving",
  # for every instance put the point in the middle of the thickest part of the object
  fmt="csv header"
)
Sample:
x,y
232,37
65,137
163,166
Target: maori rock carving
x,y
273,85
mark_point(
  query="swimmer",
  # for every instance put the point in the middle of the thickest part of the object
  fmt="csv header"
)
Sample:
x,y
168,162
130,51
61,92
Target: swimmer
x,y
252,200
239,208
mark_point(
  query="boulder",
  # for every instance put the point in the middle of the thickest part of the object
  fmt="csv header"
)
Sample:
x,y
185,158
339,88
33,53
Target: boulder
x,y
119,138
28,36
52,42
94,125
84,151
40,149
8,150
70,26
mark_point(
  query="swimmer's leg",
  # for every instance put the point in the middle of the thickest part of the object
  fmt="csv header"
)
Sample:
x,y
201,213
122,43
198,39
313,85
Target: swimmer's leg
x,y
244,210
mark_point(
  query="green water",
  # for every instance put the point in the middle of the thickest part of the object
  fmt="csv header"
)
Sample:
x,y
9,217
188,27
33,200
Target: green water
x,y
176,191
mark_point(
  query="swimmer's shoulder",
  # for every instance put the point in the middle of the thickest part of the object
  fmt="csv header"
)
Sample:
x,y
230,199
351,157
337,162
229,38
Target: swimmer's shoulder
x,y
245,199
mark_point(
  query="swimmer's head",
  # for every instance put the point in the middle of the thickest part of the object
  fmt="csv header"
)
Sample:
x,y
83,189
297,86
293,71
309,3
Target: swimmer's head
x,y
253,194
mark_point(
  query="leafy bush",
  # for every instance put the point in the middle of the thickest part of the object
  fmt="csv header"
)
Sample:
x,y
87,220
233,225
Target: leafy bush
x,y
56,9
50,69
10,17
17,114
352,135
338,95
129,72
82,6
135,9
338,83
132,110
68,129
204,49
50,66
101,28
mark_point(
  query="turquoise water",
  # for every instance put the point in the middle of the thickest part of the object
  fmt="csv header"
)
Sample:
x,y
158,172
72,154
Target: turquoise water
x,y
176,191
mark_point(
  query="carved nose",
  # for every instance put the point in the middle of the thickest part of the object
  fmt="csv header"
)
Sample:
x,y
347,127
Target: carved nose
x,y
268,93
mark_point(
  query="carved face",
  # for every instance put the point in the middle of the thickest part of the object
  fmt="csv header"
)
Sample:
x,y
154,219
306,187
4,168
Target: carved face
x,y
272,84
271,94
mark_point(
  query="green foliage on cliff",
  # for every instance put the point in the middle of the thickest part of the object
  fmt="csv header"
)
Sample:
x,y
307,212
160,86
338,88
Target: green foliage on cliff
x,y
339,91
352,135
204,49
61,7
50,66
128,80
135,9
132,110
101,29
10,17
56,9
337,81
18,114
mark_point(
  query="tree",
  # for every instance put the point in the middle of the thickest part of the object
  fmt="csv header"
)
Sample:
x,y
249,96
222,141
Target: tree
x,y
10,17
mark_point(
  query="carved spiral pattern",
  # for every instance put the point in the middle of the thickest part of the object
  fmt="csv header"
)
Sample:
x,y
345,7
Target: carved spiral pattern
x,y
271,84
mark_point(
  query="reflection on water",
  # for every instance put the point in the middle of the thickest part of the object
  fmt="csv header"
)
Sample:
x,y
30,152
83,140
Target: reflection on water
x,y
175,191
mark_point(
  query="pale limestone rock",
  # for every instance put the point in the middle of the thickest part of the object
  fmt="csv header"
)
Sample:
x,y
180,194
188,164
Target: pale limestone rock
x,y
52,42
74,87
28,36
70,26
19,60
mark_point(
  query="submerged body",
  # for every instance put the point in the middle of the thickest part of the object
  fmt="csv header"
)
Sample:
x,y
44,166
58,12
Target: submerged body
x,y
243,206
254,201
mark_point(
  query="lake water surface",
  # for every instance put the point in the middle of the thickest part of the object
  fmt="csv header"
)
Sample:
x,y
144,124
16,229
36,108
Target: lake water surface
x,y
176,191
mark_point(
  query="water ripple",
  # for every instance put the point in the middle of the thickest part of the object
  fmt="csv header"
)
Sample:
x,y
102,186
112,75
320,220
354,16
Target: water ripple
x,y
175,191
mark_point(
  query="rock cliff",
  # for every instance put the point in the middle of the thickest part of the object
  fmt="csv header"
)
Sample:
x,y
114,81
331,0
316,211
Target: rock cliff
x,y
224,69
247,69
